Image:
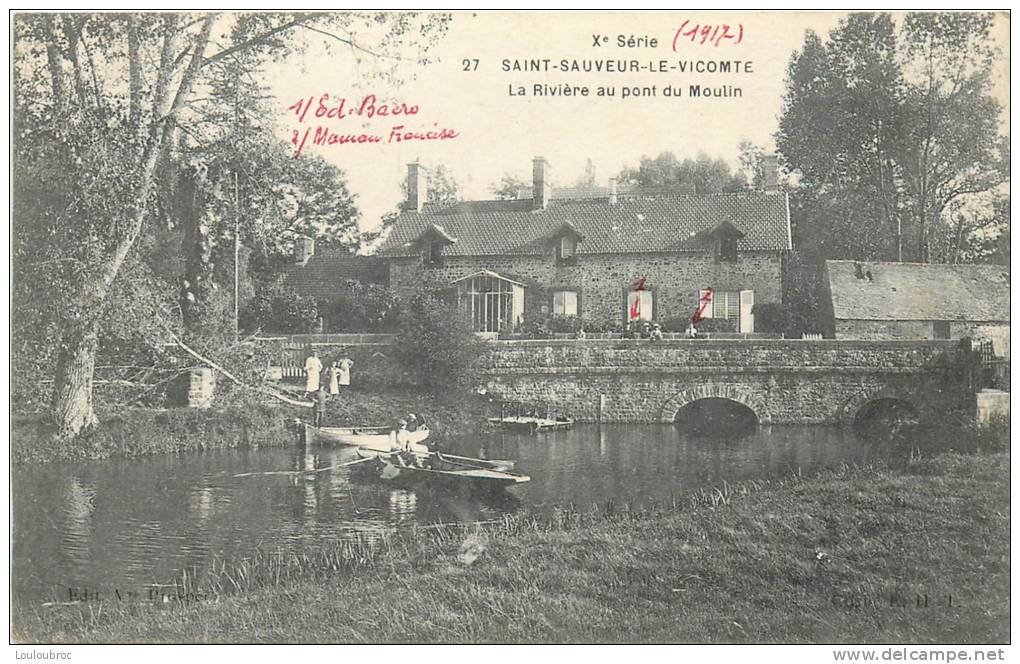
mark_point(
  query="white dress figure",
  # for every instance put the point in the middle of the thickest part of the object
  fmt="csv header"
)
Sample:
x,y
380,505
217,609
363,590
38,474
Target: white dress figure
x,y
345,371
313,367
334,386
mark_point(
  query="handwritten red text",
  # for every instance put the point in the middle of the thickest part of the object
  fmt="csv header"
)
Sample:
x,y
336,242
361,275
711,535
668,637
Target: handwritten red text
x,y
337,108
701,34
325,108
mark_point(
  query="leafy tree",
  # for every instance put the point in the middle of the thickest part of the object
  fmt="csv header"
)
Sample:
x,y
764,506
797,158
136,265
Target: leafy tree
x,y
752,163
508,187
435,344
443,191
700,176
278,309
100,102
973,234
886,126
360,307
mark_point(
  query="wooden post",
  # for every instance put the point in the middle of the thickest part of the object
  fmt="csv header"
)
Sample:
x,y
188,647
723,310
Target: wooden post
x,y
602,407
502,408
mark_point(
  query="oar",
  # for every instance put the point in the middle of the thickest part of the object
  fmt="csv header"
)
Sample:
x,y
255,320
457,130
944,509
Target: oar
x,y
304,472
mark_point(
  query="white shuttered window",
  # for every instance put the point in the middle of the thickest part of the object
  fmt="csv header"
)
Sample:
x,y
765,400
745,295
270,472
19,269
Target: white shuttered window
x,y
565,303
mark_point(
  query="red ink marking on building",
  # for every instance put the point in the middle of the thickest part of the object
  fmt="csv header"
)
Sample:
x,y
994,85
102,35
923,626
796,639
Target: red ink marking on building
x,y
634,311
703,303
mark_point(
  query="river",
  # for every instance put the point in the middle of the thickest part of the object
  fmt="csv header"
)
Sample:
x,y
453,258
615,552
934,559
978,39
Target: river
x,y
128,523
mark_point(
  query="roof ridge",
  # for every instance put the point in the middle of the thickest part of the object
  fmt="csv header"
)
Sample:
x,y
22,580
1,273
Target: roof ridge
x,y
913,263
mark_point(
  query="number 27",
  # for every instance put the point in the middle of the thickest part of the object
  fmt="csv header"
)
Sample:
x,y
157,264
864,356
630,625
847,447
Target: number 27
x,y
470,64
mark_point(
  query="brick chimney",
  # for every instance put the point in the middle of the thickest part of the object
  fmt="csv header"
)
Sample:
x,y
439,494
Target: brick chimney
x,y
304,248
612,191
417,187
770,165
541,188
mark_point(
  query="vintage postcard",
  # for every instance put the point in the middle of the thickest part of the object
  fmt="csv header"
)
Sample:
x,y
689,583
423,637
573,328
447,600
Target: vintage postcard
x,y
503,327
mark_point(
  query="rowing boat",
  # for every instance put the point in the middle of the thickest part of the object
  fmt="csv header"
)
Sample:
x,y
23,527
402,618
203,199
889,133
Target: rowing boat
x,y
470,462
446,469
532,424
379,439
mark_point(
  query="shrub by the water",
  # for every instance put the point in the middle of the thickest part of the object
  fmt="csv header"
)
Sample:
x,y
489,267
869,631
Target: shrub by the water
x,y
435,345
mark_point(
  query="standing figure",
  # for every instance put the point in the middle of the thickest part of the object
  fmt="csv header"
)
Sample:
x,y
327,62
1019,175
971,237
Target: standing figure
x,y
345,370
313,367
320,405
334,373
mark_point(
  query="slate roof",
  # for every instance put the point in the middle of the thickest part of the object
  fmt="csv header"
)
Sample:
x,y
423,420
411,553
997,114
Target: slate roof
x,y
324,271
635,224
918,291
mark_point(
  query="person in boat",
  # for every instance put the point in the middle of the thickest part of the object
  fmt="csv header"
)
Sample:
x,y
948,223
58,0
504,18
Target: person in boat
x,y
403,439
313,368
404,445
412,422
656,333
628,331
320,405
692,332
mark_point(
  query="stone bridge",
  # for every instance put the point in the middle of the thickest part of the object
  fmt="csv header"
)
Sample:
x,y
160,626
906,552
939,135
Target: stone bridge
x,y
782,381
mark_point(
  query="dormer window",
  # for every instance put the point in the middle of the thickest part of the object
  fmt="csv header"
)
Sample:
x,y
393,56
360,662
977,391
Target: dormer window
x,y
724,238
432,241
434,253
566,238
728,249
568,247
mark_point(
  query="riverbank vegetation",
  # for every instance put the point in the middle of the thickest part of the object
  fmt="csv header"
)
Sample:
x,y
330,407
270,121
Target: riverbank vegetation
x,y
871,554
138,432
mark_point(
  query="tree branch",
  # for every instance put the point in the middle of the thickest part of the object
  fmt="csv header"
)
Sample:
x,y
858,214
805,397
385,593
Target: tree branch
x,y
54,61
260,39
234,379
134,73
350,42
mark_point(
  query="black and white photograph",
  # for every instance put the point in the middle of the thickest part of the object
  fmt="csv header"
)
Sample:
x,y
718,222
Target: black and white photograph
x,y
498,327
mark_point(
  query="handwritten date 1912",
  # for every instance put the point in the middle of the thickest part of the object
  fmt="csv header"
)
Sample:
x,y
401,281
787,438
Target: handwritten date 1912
x,y
701,34
338,108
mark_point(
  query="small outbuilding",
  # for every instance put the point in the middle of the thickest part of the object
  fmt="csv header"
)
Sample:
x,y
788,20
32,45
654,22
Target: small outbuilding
x,y
876,300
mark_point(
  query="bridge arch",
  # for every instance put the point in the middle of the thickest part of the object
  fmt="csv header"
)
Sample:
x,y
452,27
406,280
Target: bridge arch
x,y
744,395
853,406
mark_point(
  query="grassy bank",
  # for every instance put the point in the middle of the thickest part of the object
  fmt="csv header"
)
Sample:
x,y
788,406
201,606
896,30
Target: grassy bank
x,y
841,557
135,432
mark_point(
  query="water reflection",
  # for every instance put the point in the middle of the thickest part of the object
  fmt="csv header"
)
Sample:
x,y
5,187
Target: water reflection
x,y
129,523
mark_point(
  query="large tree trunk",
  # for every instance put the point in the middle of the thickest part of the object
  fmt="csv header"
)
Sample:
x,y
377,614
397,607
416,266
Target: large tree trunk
x,y
72,394
72,400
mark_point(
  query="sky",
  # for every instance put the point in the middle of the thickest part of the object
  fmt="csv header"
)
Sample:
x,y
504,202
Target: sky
x,y
499,134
